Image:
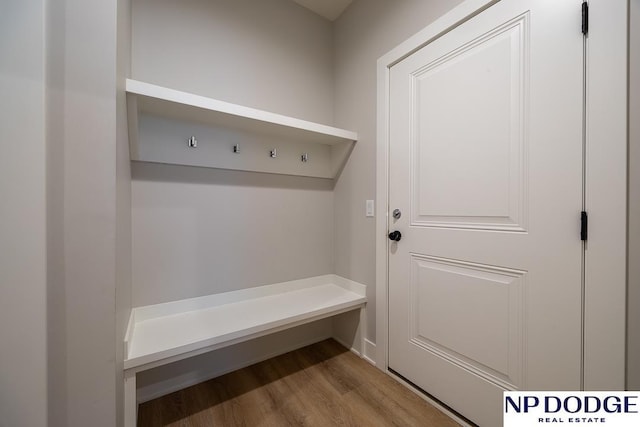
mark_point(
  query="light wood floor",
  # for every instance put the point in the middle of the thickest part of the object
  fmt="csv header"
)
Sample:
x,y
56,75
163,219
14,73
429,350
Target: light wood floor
x,y
321,385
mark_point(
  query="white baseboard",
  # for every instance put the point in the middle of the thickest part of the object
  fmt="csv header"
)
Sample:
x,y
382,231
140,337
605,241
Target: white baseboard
x,y
167,379
346,345
369,352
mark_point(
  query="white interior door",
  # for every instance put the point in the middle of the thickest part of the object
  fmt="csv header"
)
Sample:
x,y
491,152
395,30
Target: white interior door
x,y
485,285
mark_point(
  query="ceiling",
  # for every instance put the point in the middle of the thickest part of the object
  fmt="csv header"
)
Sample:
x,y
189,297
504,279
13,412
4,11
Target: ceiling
x,y
330,9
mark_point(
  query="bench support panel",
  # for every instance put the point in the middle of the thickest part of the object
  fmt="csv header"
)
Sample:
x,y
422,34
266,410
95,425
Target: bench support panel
x,y
130,400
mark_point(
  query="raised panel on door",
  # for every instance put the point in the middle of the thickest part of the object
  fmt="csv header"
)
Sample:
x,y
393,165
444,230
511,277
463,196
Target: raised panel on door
x,y
469,314
468,137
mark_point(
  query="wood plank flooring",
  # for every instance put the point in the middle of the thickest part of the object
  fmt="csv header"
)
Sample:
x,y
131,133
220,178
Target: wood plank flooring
x,y
320,385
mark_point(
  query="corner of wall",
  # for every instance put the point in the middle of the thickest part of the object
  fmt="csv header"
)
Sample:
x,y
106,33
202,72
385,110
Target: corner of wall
x,y
123,200
633,273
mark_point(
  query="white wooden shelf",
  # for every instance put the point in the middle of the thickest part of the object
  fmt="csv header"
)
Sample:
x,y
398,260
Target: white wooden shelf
x,y
164,333
161,120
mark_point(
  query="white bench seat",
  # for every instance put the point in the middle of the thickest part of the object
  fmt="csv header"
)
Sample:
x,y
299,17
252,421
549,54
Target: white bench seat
x,y
164,333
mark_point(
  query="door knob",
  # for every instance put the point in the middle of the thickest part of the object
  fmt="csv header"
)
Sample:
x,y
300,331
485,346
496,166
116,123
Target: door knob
x,y
395,236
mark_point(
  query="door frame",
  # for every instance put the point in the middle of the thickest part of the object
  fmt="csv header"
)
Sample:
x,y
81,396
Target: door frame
x,y
604,318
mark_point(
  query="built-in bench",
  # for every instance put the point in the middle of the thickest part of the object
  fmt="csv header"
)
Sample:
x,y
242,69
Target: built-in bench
x,y
165,333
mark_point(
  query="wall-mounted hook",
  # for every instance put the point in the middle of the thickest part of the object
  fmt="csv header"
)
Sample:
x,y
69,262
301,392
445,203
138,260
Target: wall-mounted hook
x,y
236,148
273,153
304,157
192,142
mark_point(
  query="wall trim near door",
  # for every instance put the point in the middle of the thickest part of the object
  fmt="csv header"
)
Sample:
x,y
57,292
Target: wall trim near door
x,y
606,178
369,353
606,195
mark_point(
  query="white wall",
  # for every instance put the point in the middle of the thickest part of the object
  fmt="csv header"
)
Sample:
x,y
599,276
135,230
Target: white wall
x,y
123,199
633,296
81,186
270,54
198,231
366,31
23,365
56,292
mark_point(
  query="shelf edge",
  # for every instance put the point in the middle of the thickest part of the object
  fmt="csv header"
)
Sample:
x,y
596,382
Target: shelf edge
x,y
138,88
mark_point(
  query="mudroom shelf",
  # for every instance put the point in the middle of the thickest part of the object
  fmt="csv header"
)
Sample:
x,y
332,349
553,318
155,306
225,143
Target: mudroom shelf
x,y
170,126
164,333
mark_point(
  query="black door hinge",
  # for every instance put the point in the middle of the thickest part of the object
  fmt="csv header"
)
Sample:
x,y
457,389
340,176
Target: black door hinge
x,y
583,225
585,18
